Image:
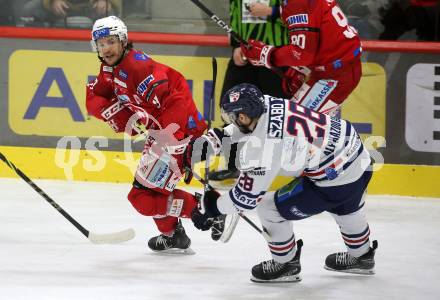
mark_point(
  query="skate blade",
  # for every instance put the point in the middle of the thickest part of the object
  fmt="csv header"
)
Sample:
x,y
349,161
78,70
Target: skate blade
x,y
284,279
175,251
353,271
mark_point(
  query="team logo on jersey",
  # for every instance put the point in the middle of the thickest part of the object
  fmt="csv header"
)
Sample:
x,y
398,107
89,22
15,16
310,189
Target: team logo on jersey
x,y
331,173
142,87
123,74
234,96
140,56
107,69
276,118
119,82
298,19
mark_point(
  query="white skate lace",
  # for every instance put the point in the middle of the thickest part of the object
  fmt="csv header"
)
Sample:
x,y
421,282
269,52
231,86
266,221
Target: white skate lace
x,y
270,266
162,240
217,226
343,258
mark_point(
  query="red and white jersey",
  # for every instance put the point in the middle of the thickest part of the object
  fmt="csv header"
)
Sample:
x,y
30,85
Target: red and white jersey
x,y
144,85
320,35
292,140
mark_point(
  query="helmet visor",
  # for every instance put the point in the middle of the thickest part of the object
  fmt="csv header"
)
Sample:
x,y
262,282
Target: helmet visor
x,y
229,118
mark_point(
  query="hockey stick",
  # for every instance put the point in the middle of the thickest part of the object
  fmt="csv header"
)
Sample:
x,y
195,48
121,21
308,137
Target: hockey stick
x,y
263,232
234,35
231,220
210,115
219,22
109,238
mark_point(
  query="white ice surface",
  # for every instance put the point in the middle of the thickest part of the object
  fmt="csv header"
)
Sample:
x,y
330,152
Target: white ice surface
x,y
42,256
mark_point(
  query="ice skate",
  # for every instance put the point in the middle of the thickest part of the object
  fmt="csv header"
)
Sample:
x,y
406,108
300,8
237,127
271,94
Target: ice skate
x,y
344,262
178,243
271,271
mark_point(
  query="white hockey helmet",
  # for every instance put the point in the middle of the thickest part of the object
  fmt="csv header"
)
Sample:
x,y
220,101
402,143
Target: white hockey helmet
x,y
107,26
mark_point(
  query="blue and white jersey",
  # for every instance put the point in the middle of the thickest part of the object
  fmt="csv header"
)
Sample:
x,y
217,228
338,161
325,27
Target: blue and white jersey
x,y
292,140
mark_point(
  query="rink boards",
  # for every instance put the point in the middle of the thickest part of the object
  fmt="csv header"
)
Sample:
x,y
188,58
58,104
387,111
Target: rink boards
x,y
111,166
394,108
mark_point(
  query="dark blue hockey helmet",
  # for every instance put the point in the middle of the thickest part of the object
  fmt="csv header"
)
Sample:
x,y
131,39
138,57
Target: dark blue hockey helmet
x,y
243,98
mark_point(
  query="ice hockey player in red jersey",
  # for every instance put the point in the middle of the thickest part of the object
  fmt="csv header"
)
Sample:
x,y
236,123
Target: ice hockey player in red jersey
x,y
323,56
131,84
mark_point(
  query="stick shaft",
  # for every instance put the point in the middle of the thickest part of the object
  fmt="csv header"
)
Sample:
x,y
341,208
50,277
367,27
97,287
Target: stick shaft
x,y
219,22
45,196
210,117
228,29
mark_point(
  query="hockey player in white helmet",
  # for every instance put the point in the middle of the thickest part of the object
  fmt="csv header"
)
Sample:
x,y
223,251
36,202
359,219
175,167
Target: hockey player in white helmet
x,y
108,32
131,83
331,167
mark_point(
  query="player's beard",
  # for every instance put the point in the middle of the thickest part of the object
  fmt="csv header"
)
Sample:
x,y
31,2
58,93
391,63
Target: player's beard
x,y
244,129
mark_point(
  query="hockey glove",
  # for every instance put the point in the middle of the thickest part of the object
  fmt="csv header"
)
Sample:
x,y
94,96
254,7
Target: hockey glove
x,y
209,143
214,137
201,221
117,115
205,221
187,165
258,53
292,81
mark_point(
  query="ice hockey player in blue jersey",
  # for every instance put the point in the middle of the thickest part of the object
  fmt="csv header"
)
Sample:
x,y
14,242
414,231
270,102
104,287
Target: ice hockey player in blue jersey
x,y
330,170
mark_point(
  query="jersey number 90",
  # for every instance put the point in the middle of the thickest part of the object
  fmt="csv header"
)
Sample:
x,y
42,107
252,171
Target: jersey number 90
x,y
298,40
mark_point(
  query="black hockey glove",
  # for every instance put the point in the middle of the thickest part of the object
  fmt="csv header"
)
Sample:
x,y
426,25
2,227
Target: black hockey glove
x,y
201,221
205,221
187,166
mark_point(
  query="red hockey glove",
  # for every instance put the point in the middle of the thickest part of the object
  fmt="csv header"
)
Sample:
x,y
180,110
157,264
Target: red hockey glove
x,y
117,115
258,53
292,81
